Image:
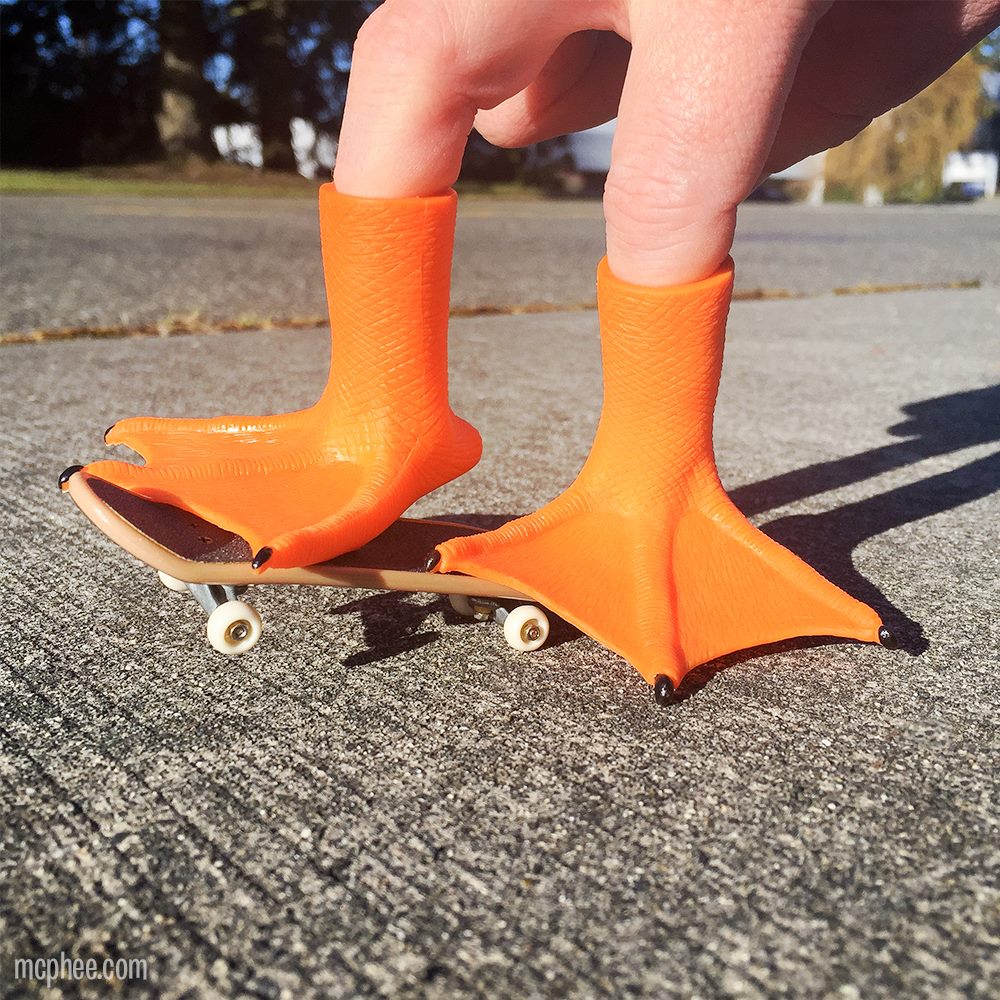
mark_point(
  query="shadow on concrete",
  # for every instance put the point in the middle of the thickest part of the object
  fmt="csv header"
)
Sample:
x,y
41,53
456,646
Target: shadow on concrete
x,y
826,540
392,623
934,427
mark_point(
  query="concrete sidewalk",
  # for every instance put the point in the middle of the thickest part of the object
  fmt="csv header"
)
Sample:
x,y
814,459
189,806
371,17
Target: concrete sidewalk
x,y
72,262
383,800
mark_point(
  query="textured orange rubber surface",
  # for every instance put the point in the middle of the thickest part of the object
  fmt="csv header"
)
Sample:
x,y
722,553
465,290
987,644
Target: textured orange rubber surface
x,y
312,484
645,552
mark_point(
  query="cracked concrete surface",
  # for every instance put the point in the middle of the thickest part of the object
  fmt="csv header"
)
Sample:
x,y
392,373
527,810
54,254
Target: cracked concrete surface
x,y
383,800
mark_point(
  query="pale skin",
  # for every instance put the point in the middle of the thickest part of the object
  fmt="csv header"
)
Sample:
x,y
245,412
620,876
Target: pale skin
x,y
710,96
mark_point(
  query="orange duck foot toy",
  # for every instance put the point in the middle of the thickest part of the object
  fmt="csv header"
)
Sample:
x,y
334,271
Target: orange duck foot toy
x,y
645,552
307,486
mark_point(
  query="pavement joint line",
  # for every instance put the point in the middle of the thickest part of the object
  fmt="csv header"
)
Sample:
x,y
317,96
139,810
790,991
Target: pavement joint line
x,y
185,326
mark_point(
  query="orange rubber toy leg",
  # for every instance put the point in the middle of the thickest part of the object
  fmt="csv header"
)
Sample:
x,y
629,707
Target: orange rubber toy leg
x,y
306,486
645,552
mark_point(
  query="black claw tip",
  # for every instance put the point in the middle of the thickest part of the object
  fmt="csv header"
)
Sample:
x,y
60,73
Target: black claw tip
x,y
888,638
262,557
108,431
431,561
68,474
664,691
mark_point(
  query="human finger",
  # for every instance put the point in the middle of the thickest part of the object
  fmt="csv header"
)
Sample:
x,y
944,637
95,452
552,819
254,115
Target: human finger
x,y
579,87
421,71
699,109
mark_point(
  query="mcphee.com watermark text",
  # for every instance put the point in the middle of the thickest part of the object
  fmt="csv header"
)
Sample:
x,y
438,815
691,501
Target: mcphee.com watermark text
x,y
52,970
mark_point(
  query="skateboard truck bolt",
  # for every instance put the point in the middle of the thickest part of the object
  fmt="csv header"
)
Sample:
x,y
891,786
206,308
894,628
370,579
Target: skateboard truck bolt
x,y
664,691
262,557
431,561
238,631
887,637
68,474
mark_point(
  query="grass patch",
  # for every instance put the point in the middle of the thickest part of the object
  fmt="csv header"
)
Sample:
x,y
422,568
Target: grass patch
x,y
501,190
218,180
154,180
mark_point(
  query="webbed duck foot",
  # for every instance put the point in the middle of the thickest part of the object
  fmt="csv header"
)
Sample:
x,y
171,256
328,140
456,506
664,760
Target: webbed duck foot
x,y
645,552
312,484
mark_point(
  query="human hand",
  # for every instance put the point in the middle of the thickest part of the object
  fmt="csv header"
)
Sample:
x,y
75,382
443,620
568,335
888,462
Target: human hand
x,y
710,95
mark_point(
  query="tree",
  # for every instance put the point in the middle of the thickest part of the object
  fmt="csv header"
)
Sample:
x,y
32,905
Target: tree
x,y
902,152
291,60
321,40
78,82
183,120
259,45
987,51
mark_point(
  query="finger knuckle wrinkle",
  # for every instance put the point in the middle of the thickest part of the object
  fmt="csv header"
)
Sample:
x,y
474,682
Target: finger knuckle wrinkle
x,y
635,197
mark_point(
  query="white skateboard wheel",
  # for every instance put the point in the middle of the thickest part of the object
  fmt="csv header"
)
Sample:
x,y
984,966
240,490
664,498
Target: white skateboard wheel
x,y
234,627
171,582
461,605
526,628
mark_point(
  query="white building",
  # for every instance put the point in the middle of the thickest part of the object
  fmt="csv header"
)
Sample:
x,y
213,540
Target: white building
x,y
974,173
314,151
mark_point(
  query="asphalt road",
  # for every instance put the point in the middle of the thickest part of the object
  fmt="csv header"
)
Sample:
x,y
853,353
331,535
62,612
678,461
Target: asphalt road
x,y
383,800
82,262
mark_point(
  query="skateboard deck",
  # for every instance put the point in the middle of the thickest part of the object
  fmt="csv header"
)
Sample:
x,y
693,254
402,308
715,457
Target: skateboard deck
x,y
193,554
